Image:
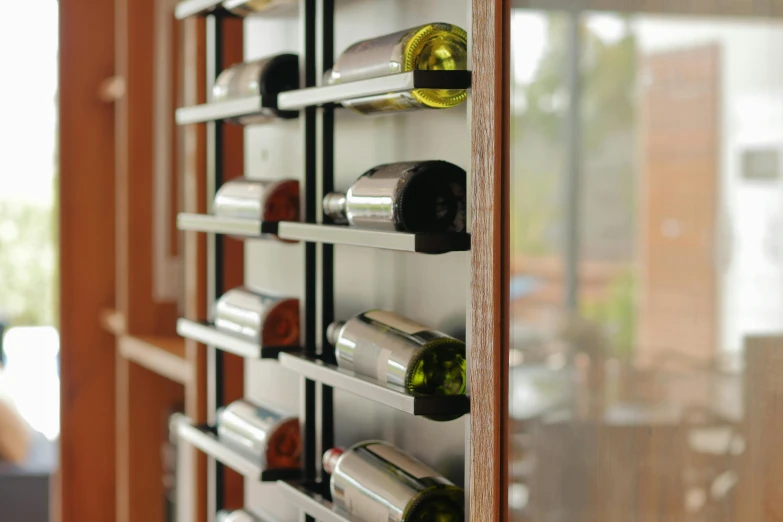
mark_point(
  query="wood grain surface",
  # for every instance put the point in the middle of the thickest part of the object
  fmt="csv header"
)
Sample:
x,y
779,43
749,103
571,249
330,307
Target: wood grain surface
x,y
193,160
489,263
711,8
86,221
233,251
135,123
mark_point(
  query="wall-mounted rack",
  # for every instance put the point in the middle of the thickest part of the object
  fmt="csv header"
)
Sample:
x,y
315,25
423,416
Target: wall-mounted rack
x,y
404,82
187,8
206,333
320,96
205,439
311,498
387,394
250,228
316,239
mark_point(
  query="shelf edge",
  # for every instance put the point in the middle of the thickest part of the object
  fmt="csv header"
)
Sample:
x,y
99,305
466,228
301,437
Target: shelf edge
x,y
156,359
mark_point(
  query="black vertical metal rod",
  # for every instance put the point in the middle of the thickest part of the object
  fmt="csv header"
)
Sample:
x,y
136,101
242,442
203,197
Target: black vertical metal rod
x,y
308,8
327,252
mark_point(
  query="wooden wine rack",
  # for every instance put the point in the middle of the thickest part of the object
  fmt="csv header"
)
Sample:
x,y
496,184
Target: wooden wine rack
x,y
312,362
123,364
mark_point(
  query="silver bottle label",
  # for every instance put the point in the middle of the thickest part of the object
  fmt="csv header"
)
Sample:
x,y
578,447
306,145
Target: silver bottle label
x,y
248,426
371,58
242,312
381,345
376,481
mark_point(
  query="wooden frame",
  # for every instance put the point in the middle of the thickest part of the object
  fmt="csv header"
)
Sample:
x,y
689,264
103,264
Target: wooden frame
x,y
711,8
86,144
490,261
122,366
88,263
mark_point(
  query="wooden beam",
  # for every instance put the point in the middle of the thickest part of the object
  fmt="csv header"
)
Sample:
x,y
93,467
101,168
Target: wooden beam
x,y
488,356
86,145
135,54
759,9
233,251
145,400
162,355
193,159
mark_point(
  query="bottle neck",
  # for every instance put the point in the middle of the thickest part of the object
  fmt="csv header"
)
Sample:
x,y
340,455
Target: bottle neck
x,y
333,332
334,206
331,458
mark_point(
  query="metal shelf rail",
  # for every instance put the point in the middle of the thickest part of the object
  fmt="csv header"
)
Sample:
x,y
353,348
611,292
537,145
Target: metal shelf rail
x,y
206,333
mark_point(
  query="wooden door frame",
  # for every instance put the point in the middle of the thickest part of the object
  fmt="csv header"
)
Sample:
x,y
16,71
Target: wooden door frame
x,y
489,321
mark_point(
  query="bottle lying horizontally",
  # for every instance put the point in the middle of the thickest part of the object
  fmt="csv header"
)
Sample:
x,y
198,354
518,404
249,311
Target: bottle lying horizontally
x,y
270,321
269,201
239,515
251,7
421,196
261,432
377,482
396,350
265,77
430,47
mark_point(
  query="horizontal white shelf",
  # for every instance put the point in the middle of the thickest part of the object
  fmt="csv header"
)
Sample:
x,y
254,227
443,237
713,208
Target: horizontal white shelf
x,y
187,8
318,96
306,497
224,110
204,438
251,228
207,334
387,394
343,235
403,82
329,234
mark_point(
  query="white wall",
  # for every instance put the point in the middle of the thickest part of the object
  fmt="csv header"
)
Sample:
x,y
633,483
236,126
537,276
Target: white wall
x,y
431,289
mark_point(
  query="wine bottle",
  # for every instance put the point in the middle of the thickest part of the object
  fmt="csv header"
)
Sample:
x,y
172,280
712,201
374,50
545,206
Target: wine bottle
x,y
265,77
273,322
168,453
423,196
431,47
396,350
262,432
265,200
377,482
251,7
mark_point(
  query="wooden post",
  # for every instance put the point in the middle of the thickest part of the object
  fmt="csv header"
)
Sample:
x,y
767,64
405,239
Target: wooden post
x,y
86,145
489,372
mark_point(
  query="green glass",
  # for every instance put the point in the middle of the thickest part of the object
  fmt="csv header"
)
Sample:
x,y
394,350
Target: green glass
x,y
395,350
445,507
376,481
438,369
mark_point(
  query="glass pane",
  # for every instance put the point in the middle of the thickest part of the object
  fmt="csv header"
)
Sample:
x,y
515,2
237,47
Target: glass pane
x,y
647,264
29,338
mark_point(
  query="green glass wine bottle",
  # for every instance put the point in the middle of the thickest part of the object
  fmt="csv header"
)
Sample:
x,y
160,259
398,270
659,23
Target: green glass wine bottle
x,y
377,482
430,47
396,350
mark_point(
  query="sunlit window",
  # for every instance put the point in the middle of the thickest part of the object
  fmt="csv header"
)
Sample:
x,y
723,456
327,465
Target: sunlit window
x,y
28,198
